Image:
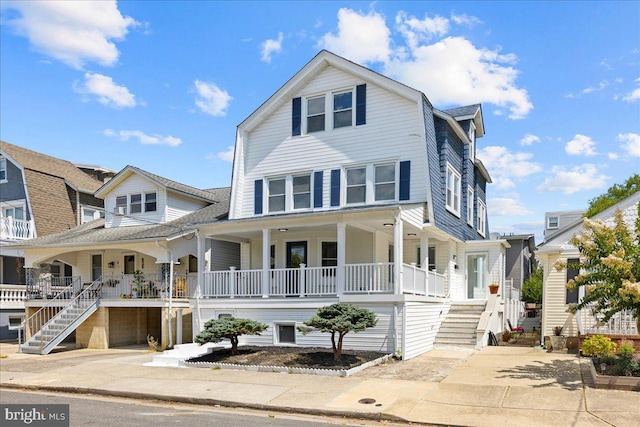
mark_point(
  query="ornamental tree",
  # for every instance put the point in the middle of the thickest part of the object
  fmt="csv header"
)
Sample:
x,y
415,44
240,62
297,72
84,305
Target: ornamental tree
x,y
215,330
339,319
532,287
610,261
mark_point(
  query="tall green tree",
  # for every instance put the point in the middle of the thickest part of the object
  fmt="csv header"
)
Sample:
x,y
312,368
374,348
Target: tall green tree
x,y
231,328
613,195
339,319
610,261
532,287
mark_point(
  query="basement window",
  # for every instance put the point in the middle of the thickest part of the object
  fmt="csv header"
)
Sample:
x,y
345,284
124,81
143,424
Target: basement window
x,y
285,333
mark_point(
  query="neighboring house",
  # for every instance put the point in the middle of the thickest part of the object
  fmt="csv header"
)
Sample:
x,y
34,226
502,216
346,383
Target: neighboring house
x,y
347,186
556,297
131,271
39,195
556,222
520,259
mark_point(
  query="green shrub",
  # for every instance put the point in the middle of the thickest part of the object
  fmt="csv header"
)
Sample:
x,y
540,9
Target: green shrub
x,y
215,330
598,345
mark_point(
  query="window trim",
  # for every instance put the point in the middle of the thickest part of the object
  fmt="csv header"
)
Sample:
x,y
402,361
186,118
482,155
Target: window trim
x,y
347,186
455,191
269,195
555,227
470,205
293,193
137,204
482,218
307,115
14,317
396,179
334,111
145,202
3,168
276,333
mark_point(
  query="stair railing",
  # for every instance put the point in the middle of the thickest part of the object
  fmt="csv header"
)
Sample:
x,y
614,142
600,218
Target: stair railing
x,y
38,320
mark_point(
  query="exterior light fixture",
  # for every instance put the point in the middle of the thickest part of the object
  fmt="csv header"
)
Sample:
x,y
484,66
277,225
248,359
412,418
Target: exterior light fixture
x,y
411,234
283,229
388,224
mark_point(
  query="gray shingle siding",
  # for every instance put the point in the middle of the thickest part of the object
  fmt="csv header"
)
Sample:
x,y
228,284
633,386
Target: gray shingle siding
x,y
13,189
481,194
433,156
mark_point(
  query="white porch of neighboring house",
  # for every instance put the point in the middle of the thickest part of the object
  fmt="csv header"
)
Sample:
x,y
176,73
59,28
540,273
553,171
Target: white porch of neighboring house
x,y
16,229
128,291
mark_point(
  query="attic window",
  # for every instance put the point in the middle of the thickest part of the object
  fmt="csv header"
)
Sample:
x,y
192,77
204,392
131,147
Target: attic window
x,y
552,222
136,203
3,169
315,114
150,204
342,109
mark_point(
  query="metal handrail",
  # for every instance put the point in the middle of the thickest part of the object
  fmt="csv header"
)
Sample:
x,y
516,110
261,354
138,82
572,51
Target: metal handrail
x,y
40,315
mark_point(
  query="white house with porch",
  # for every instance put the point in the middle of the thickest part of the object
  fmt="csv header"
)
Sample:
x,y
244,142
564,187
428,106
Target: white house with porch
x,y
349,186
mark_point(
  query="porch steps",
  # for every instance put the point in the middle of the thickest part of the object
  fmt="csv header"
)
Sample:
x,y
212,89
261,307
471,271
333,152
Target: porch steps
x,y
59,327
459,327
181,352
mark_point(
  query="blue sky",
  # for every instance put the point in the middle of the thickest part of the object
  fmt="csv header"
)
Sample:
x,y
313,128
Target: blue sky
x,y
162,85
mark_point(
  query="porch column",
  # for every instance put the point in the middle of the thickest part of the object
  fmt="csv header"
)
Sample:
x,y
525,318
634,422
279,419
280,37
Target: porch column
x,y
424,255
266,261
342,252
397,254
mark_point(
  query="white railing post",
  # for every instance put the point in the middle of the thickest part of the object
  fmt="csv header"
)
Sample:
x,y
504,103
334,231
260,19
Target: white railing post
x,y
232,282
303,280
397,254
266,262
340,269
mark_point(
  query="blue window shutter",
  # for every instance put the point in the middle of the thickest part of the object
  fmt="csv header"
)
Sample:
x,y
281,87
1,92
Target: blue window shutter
x,y
296,117
405,179
335,187
317,189
257,197
361,104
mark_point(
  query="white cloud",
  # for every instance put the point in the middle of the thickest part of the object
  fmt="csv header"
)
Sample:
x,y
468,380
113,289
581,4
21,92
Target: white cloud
x,y
211,99
529,139
581,145
449,71
155,139
505,167
613,156
634,95
271,46
360,38
465,19
506,206
454,71
227,156
72,32
631,143
601,86
106,91
569,181
416,31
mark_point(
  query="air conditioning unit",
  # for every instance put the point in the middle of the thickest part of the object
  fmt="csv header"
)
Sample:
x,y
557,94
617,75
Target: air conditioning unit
x,y
120,210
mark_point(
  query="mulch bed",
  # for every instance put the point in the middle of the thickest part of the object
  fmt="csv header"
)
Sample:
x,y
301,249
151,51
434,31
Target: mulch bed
x,y
292,357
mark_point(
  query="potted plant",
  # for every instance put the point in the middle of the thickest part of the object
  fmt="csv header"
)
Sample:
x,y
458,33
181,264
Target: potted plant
x,y
557,339
493,288
137,283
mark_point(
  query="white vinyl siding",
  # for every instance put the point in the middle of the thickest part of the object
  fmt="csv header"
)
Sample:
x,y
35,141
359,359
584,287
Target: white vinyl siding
x,y
270,150
422,322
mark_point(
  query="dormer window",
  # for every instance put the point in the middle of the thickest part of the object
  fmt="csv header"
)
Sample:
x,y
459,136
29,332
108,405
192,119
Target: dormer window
x,y
136,203
315,114
121,205
552,222
150,202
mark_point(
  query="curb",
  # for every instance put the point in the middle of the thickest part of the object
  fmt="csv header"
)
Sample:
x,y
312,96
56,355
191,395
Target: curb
x,y
379,416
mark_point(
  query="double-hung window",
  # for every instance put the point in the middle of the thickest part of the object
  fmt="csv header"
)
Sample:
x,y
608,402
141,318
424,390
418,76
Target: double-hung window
x,y
356,185
470,205
552,222
121,205
302,192
482,217
150,202
315,114
16,212
277,189
453,191
3,169
135,205
472,141
342,109
385,182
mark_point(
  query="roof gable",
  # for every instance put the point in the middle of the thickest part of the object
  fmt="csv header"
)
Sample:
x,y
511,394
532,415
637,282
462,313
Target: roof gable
x,y
167,184
42,163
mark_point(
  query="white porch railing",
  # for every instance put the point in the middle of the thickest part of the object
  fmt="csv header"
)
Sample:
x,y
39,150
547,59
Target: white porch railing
x,y
16,229
48,287
513,311
622,323
421,282
320,281
13,296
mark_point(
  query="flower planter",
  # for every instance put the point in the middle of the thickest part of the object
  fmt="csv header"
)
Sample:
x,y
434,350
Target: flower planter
x,y
612,381
493,290
557,342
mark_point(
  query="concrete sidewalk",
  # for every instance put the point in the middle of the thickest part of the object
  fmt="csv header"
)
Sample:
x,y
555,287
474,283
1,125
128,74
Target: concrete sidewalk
x,y
497,385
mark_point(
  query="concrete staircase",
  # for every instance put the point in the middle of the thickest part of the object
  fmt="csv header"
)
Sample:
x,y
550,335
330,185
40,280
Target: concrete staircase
x,y
459,327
